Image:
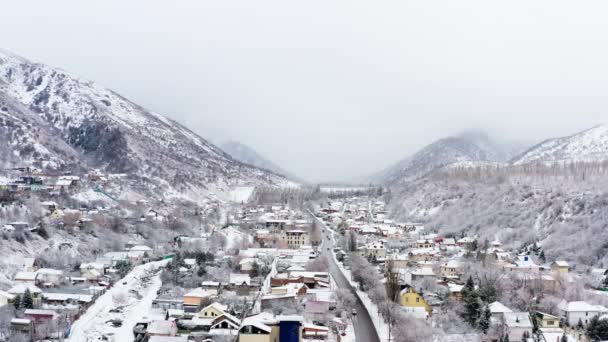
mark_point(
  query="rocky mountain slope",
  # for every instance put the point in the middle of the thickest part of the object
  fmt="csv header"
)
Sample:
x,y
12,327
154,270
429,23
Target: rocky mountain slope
x,y
587,146
63,120
465,149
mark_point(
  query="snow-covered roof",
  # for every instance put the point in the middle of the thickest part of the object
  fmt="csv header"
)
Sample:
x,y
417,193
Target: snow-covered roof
x,y
455,287
210,283
52,296
452,264
50,271
6,295
20,288
580,306
517,320
425,271
140,248
40,312
236,278
498,307
257,321
290,318
168,339
26,276
199,293
215,305
160,327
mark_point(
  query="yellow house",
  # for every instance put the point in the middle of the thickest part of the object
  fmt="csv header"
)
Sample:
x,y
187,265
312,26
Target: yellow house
x,y
409,298
212,310
258,332
545,320
560,266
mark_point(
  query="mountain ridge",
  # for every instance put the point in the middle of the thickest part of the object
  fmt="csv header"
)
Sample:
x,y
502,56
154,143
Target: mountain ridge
x,y
108,131
247,155
589,145
469,147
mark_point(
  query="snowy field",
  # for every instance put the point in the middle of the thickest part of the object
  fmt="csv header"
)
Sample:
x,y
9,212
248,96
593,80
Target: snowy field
x,y
133,294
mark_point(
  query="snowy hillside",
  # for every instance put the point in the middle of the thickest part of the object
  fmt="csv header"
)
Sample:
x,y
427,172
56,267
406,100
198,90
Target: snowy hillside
x,y
247,155
465,149
588,146
518,209
63,120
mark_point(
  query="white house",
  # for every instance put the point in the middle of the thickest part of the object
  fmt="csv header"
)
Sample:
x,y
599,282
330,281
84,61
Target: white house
x,y
572,312
5,298
49,277
497,310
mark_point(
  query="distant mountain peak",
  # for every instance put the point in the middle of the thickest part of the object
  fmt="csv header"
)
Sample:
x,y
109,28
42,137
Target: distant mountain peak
x,y
470,147
248,155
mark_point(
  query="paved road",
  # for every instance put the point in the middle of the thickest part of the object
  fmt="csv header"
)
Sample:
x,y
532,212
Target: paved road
x,y
365,331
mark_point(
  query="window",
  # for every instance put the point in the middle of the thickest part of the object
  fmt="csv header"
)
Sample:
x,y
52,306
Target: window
x,y
417,300
550,322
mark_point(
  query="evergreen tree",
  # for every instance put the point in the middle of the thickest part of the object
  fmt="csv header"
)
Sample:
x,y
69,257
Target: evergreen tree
x,y
597,329
27,300
201,271
123,267
201,258
255,269
484,321
542,257
472,307
474,245
472,304
17,302
579,325
564,338
469,286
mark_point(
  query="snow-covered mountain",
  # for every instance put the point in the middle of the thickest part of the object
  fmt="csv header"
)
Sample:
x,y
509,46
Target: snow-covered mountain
x,y
248,155
470,148
536,196
587,146
55,119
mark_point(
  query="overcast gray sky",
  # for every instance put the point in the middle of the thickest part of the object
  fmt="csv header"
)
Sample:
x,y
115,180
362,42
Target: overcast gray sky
x,y
334,89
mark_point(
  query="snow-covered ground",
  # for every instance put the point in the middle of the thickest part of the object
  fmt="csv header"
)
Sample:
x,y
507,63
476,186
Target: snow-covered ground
x,y
135,293
234,237
241,193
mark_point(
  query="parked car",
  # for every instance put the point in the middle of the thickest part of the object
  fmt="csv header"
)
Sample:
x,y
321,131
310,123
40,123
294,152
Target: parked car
x,y
115,323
